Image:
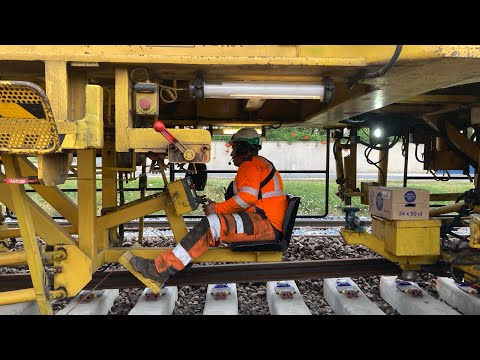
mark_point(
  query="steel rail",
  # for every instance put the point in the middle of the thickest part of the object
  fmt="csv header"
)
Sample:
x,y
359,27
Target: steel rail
x,y
232,273
163,224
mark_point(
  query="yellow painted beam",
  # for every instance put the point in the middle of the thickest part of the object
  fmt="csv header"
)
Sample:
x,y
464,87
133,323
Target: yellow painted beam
x,y
75,270
219,122
419,69
87,202
19,257
45,226
29,239
131,211
69,128
150,140
123,104
177,223
15,232
109,187
461,141
212,255
78,80
52,194
99,260
351,55
91,126
378,245
183,54
11,258
17,296
85,133
56,83
380,54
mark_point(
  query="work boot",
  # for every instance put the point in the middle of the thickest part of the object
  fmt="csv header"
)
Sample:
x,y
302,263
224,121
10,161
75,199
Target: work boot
x,y
147,268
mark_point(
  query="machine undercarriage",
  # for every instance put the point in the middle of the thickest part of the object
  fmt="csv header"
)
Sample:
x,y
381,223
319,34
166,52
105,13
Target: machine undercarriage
x,y
96,113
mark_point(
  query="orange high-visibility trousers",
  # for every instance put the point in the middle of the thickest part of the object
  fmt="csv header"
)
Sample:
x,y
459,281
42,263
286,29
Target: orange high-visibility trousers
x,y
212,230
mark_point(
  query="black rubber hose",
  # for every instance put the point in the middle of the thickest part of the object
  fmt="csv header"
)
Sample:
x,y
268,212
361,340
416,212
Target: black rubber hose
x,y
362,75
460,281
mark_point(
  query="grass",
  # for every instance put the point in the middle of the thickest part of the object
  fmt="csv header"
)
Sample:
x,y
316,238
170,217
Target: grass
x,y
311,192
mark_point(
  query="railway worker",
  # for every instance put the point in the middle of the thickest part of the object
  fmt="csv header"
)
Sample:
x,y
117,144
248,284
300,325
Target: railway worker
x,y
254,212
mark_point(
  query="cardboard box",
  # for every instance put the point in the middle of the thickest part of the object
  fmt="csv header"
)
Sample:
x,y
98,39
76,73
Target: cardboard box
x,y
399,203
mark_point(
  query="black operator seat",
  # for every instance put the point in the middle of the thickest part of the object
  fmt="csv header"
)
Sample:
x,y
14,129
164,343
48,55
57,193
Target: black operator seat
x,y
287,228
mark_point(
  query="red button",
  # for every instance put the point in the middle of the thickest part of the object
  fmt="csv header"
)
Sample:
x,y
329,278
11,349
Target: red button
x,y
144,104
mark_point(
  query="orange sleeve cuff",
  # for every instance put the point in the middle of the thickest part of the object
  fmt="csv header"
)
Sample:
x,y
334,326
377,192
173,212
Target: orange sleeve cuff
x,y
227,207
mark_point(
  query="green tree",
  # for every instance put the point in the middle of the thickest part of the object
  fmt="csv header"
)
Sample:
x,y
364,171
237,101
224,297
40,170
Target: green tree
x,y
295,134
290,134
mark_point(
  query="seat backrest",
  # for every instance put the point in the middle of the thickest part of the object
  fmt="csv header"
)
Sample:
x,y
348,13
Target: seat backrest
x,y
289,220
287,228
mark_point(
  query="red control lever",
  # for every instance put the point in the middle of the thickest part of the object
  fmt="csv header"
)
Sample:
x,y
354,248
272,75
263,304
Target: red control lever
x,y
160,127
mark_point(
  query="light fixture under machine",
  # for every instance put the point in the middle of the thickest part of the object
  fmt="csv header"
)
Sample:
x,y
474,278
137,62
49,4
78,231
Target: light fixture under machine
x,y
262,90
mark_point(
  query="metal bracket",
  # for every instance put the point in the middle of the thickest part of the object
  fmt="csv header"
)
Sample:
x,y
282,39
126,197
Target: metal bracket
x,y
89,295
353,222
285,290
344,287
220,291
151,296
408,288
4,245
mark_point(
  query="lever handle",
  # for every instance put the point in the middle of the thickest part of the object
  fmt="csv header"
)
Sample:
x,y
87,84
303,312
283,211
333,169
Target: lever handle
x,y
160,127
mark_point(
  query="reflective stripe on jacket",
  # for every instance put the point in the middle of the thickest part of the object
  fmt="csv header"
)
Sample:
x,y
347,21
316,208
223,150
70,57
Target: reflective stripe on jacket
x,y
246,189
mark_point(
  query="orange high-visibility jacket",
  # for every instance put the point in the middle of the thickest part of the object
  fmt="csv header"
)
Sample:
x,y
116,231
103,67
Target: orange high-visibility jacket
x,y
246,188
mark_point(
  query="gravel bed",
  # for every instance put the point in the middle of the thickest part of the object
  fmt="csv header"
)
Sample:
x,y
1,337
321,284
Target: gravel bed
x,y
252,296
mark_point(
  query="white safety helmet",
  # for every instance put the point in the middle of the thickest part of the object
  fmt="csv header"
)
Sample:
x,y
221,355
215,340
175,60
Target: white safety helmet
x,y
248,135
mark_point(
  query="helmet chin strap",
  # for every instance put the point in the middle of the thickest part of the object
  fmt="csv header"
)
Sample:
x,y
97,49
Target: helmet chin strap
x,y
233,157
245,157
242,150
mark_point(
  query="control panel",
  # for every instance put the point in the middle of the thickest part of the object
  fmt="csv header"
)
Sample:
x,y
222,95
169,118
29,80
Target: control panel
x,y
184,196
146,99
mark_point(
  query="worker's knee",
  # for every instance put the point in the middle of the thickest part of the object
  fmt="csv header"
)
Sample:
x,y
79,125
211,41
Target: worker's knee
x,y
213,222
204,221
202,225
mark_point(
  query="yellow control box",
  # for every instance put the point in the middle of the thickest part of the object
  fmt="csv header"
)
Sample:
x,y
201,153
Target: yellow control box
x,y
408,237
475,231
183,195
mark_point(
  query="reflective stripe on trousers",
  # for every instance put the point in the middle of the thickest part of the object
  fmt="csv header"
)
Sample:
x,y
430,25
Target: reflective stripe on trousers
x,y
211,231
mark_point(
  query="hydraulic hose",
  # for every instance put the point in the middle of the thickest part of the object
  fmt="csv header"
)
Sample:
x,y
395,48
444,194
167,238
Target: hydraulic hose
x,y
362,75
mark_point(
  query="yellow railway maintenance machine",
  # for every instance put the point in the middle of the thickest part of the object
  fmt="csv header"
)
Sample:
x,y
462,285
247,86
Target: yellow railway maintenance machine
x,y
64,107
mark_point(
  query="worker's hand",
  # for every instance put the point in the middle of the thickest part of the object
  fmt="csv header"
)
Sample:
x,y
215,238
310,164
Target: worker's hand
x,y
209,207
